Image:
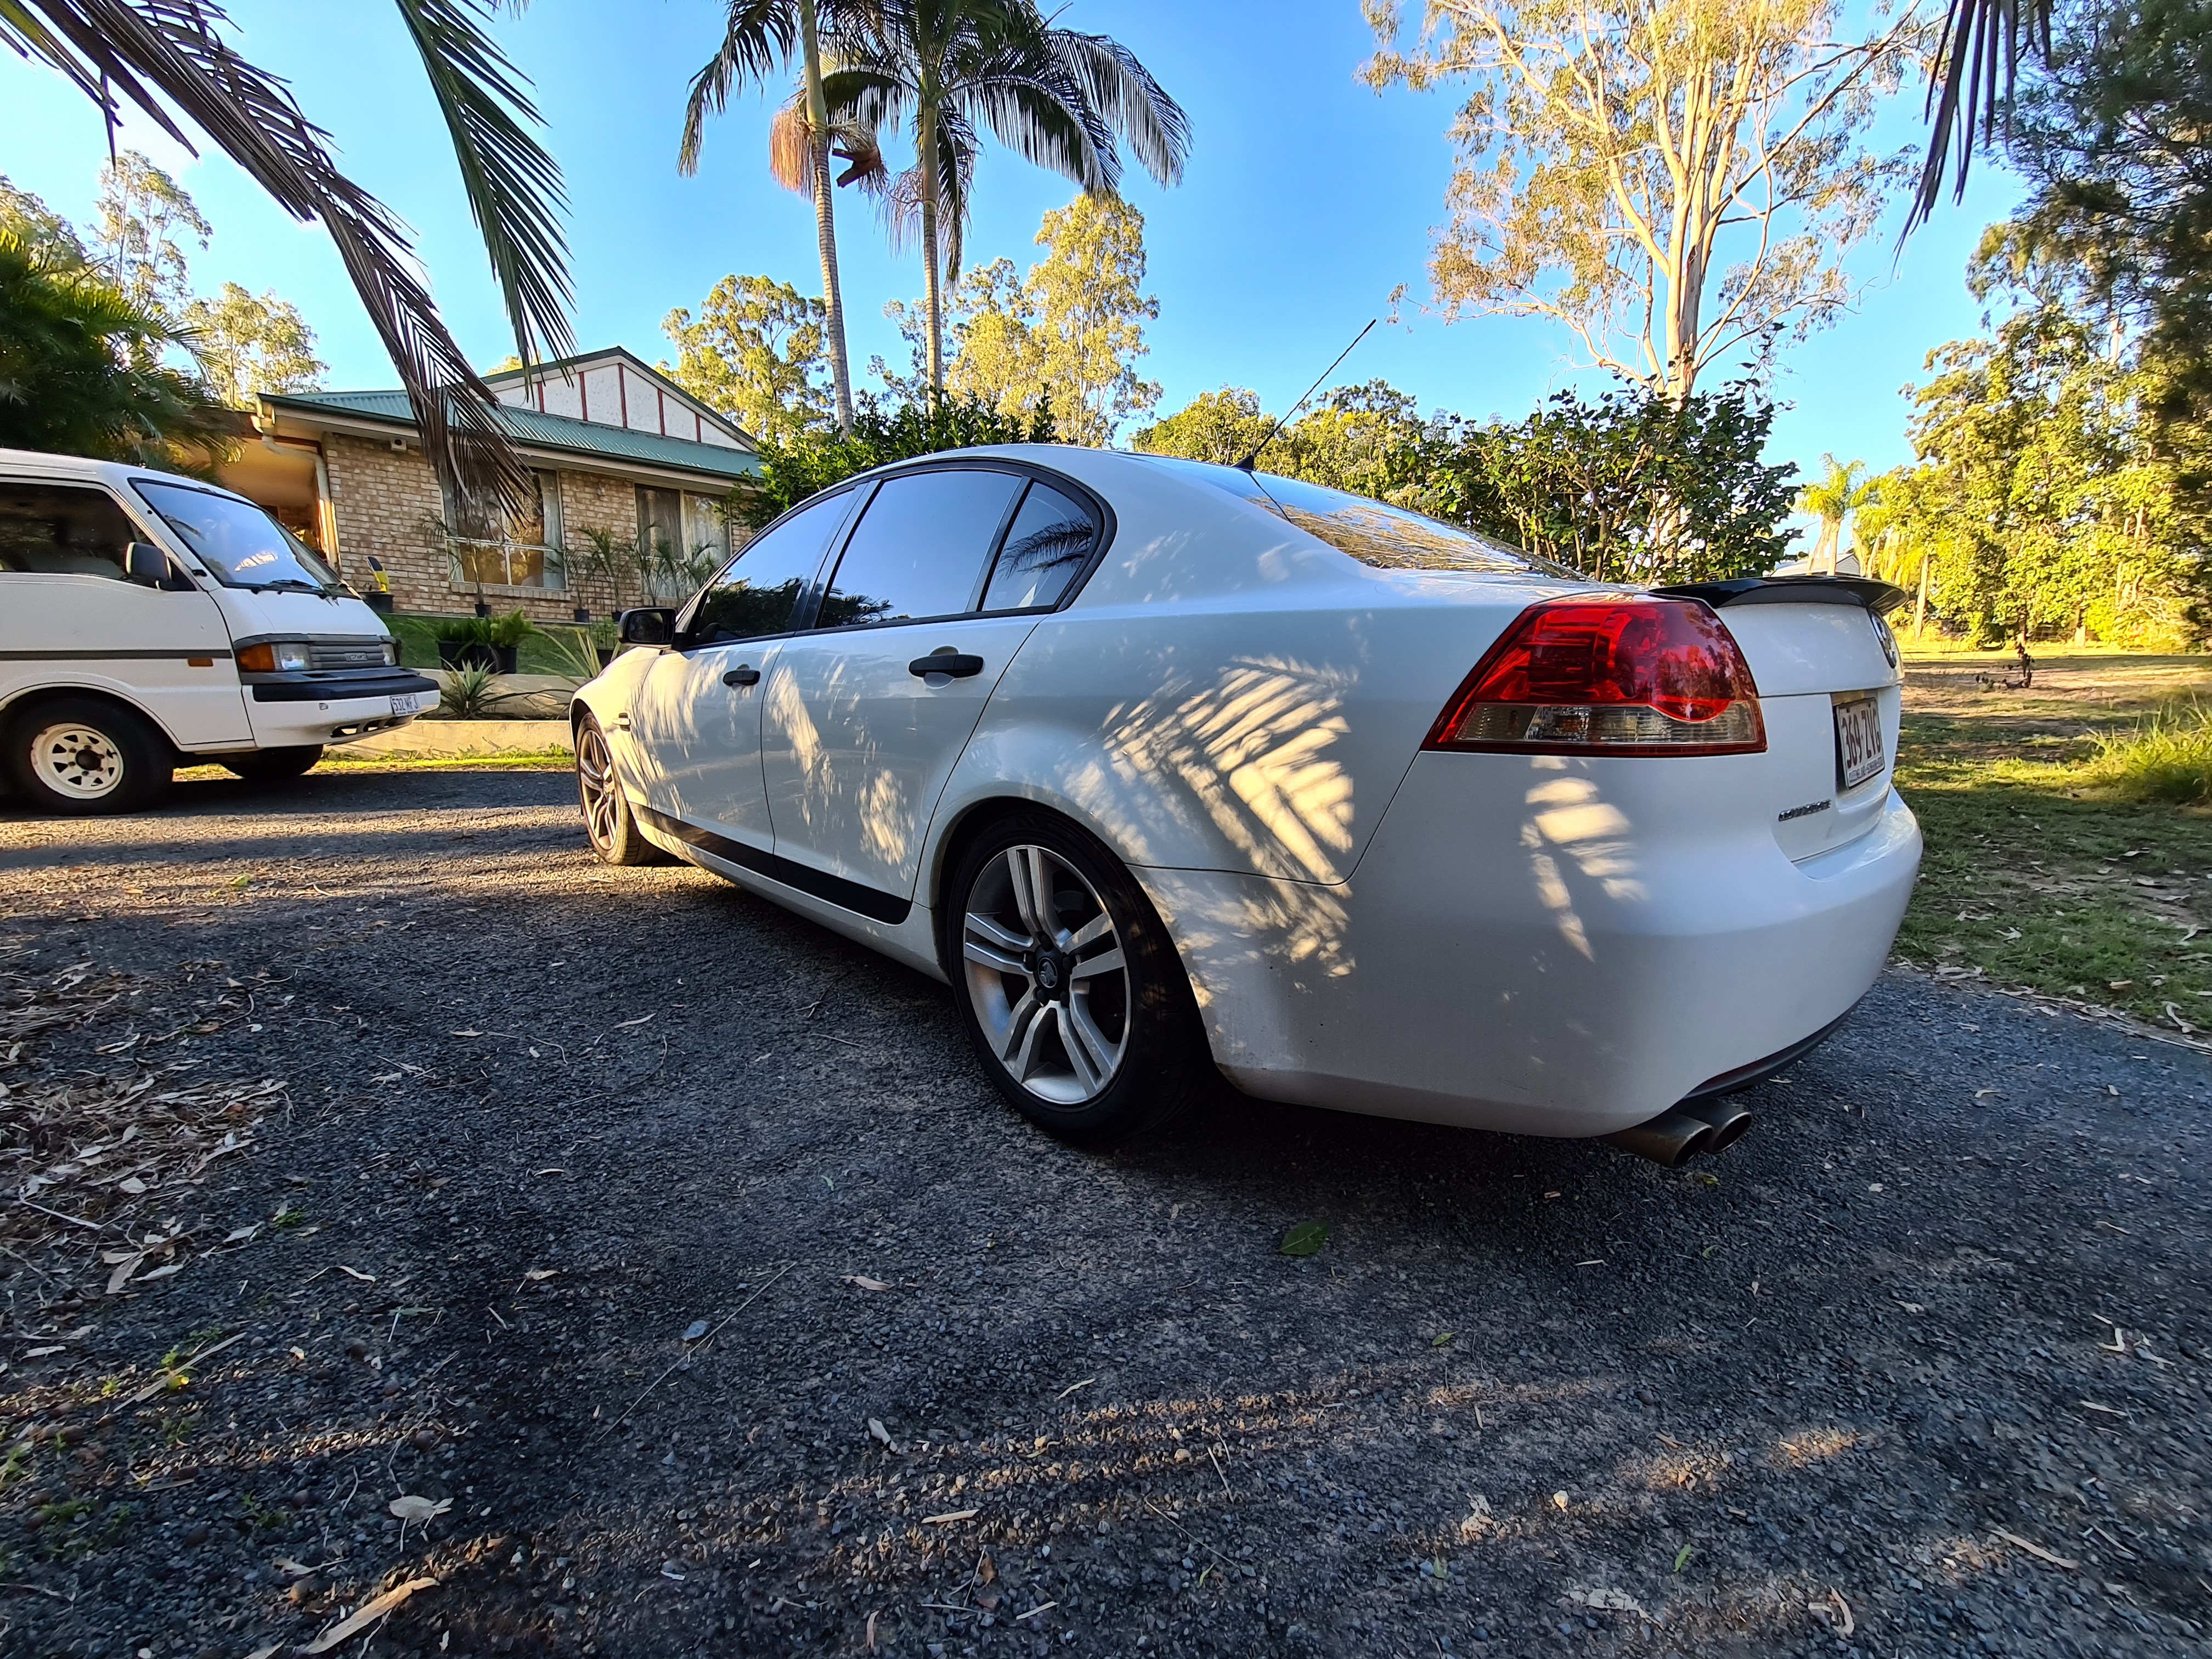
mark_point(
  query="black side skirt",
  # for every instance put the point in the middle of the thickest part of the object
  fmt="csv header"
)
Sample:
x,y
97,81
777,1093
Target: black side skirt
x,y
862,899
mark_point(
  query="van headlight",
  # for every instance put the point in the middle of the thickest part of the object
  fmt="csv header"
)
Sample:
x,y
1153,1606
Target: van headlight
x,y
392,653
276,657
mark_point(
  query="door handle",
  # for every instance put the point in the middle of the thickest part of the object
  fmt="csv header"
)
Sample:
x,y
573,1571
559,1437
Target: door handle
x,y
954,664
741,675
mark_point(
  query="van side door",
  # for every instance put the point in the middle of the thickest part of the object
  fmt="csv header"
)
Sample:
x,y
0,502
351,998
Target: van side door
x,y
70,617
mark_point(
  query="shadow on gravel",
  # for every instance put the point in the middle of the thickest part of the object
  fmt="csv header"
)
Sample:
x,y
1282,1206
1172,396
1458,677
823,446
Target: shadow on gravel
x,y
680,1250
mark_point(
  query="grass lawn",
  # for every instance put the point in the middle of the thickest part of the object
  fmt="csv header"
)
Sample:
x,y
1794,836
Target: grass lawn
x,y
2034,877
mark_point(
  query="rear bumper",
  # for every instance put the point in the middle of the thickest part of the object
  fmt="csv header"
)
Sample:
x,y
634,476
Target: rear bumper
x,y
1540,970
305,710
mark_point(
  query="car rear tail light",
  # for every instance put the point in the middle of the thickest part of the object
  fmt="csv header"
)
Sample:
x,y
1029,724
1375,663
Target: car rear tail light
x,y
1622,675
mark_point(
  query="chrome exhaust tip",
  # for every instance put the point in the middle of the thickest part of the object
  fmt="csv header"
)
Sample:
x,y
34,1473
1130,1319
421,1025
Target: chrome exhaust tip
x,y
1729,1120
1670,1140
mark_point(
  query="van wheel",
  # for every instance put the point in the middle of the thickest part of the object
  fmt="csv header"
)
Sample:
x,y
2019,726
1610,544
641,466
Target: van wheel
x,y
274,765
608,820
81,756
1067,982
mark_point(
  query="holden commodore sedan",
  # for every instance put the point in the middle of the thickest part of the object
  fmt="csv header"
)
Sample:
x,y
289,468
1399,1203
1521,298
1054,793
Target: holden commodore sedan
x,y
1168,768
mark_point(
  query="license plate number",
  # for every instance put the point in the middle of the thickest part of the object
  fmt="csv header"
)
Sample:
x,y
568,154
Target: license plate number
x,y
1858,742
407,702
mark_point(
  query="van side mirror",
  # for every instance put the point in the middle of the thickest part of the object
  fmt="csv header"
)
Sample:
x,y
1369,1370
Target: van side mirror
x,y
647,625
143,562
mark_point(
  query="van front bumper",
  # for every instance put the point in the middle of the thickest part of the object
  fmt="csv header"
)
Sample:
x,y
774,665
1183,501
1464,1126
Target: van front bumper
x,y
298,709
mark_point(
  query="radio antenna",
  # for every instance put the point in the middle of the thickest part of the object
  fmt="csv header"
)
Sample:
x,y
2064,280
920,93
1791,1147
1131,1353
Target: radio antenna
x,y
1253,459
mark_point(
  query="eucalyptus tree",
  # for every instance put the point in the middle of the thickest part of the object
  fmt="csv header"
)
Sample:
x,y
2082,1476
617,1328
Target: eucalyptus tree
x,y
170,60
948,70
759,38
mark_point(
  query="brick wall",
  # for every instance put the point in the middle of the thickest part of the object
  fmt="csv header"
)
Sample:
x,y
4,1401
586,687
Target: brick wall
x,y
385,501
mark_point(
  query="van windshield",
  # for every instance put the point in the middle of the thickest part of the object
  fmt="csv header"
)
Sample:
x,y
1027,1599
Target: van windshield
x,y
236,540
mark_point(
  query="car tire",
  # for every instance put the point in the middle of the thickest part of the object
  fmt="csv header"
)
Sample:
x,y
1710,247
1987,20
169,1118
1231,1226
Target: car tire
x,y
82,755
1092,1034
274,765
608,824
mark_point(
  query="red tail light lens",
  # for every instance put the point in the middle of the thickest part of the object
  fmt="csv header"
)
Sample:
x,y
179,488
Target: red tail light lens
x,y
1618,675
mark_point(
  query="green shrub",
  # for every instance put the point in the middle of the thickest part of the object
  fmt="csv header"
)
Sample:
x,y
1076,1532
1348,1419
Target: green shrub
x,y
2168,757
510,629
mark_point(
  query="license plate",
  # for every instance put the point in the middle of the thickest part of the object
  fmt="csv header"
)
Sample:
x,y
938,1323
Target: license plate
x,y
411,702
1858,741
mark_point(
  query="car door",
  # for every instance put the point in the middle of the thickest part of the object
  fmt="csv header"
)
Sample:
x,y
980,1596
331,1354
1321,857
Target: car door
x,y
69,616
694,737
860,733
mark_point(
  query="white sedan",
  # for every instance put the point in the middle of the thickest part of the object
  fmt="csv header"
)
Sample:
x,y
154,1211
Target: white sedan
x,y
1167,766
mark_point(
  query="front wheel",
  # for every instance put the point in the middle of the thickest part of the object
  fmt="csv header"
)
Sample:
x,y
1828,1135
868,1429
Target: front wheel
x,y
608,820
81,755
1068,984
274,765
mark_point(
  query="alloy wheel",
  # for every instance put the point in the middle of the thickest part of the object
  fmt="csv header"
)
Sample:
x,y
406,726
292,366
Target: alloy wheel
x,y
1046,975
78,762
595,783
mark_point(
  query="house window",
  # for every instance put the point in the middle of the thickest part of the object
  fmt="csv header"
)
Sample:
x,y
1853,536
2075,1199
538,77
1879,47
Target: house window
x,y
520,548
681,540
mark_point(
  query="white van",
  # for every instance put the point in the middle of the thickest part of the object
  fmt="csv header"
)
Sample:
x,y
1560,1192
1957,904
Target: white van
x,y
149,621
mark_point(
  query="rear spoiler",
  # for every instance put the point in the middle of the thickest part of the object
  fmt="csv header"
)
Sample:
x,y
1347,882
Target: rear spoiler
x,y
1879,597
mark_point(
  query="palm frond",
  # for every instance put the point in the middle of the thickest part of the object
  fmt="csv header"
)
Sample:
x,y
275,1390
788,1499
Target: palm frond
x,y
757,36
150,50
1976,69
513,186
1123,91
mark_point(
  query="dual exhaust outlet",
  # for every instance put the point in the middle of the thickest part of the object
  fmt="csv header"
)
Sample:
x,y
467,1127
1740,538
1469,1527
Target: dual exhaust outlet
x,y
1682,1132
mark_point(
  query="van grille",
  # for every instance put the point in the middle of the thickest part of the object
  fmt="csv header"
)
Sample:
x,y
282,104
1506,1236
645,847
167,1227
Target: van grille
x,y
323,655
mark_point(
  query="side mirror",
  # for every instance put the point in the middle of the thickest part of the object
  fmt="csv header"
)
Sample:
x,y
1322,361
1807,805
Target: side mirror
x,y
143,562
651,625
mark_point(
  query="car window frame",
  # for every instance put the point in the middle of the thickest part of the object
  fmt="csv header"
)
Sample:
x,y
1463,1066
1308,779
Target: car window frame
x,y
803,606
178,541
1103,522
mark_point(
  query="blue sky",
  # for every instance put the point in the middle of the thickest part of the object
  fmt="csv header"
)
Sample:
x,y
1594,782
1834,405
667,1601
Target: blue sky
x,y
1308,200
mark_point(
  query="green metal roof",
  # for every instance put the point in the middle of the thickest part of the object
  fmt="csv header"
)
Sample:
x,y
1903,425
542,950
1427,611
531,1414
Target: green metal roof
x,y
541,431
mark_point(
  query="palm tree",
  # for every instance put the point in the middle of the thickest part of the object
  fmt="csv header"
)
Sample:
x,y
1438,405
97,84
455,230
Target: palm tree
x,y
81,371
757,36
1840,493
1060,98
168,59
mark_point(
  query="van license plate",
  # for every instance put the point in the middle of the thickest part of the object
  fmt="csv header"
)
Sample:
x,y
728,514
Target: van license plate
x,y
1858,742
411,702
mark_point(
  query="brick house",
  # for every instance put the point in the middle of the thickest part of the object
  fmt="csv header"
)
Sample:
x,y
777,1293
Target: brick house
x,y
616,447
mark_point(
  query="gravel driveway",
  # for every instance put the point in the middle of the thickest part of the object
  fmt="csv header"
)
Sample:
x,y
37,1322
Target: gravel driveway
x,y
675,1255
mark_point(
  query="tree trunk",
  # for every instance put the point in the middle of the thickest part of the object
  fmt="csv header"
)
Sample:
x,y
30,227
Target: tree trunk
x,y
1920,610
932,286
825,220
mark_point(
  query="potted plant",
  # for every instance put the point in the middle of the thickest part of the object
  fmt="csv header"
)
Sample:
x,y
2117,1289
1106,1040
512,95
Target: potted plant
x,y
606,557
378,595
488,642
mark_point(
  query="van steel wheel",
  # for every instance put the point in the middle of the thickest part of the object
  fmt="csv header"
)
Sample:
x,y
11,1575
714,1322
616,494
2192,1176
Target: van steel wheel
x,y
1069,987
607,819
79,755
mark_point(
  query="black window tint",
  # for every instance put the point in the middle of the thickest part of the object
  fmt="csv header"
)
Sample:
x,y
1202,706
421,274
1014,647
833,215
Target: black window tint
x,y
1045,546
920,547
755,593
52,530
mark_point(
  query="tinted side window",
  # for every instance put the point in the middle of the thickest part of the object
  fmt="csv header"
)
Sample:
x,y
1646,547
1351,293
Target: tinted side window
x,y
1045,546
56,530
920,547
755,595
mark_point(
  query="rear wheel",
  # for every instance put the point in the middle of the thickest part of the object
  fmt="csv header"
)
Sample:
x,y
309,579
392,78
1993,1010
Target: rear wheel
x,y
1068,984
81,756
607,817
273,765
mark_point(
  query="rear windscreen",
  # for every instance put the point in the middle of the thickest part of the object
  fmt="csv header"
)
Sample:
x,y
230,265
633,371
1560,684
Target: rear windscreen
x,y
1374,533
